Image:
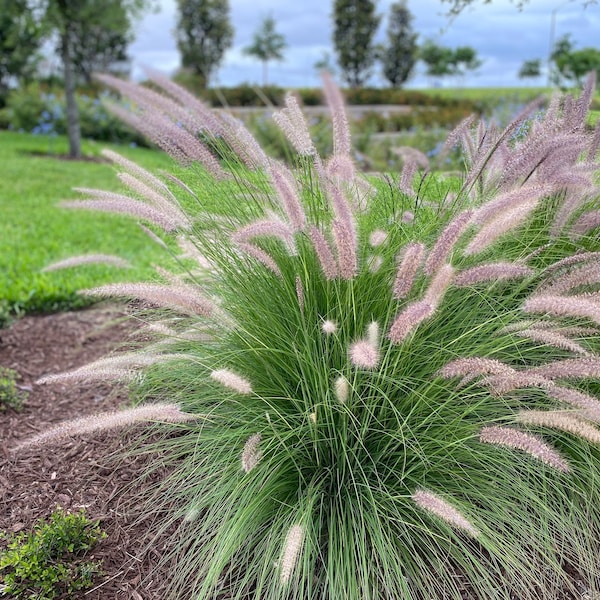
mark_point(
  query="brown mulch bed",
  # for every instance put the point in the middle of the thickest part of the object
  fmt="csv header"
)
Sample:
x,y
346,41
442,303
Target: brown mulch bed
x,y
77,473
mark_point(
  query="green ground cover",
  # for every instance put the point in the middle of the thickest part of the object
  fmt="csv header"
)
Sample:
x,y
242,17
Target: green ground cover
x,y
34,232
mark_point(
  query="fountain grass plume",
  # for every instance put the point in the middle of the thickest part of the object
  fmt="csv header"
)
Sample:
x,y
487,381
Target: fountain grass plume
x,y
165,413
415,430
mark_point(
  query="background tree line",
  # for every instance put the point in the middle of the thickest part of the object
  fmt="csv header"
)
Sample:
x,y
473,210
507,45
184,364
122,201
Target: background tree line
x,y
93,35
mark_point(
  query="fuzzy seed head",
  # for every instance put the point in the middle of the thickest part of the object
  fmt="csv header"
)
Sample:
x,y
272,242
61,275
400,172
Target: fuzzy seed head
x,y
232,381
436,505
251,454
377,238
364,355
342,389
329,327
291,551
526,442
170,413
409,319
564,421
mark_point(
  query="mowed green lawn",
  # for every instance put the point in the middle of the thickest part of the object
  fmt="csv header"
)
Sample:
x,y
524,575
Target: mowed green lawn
x,y
35,232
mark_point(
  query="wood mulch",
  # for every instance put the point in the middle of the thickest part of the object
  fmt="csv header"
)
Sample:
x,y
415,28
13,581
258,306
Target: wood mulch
x,y
77,473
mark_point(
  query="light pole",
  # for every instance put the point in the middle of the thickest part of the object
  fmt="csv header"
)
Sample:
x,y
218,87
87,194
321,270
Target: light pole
x,y
552,34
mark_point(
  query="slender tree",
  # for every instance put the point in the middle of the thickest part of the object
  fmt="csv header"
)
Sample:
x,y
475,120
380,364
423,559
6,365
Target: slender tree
x,y
71,22
400,55
204,33
266,45
20,39
355,25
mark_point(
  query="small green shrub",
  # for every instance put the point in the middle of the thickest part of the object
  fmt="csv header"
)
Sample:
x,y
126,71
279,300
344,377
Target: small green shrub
x,y
10,395
50,561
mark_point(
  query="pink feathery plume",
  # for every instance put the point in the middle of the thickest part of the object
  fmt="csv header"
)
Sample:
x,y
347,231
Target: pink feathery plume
x,y
117,367
564,421
266,228
300,293
340,166
165,413
341,131
469,368
436,505
446,241
500,225
584,368
582,276
203,113
412,257
456,135
499,385
153,197
589,405
377,238
243,143
261,256
283,183
344,235
563,306
594,144
115,203
526,442
511,200
407,175
180,297
554,339
439,284
491,272
324,253
232,380
585,223
138,172
364,355
574,259
293,124
409,319
89,259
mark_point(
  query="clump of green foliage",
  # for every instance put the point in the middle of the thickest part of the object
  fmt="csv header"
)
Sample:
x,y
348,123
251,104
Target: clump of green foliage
x,y
10,395
50,561
385,388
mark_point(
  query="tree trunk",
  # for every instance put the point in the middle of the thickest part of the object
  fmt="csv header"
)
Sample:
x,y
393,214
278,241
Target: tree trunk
x,y
265,78
73,128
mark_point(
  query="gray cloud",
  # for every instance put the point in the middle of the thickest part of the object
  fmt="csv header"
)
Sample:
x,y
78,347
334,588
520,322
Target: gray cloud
x,y
502,36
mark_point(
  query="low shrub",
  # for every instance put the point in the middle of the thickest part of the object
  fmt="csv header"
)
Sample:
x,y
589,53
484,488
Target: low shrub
x,y
10,395
50,561
382,388
36,109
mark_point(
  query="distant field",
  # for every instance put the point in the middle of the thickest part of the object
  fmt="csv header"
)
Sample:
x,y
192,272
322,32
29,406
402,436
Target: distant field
x,y
35,232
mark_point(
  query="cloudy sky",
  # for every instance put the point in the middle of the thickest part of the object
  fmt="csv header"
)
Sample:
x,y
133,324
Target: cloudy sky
x,y
503,37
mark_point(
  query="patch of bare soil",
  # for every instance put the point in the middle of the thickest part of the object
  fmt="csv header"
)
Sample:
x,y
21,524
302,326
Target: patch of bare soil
x,y
83,472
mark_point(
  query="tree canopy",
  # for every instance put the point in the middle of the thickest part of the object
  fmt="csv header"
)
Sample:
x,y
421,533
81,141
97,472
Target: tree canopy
x,y
572,66
266,45
20,39
400,54
355,25
204,33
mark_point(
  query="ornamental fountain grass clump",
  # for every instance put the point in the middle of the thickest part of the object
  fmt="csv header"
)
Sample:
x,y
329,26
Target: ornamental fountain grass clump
x,y
381,390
